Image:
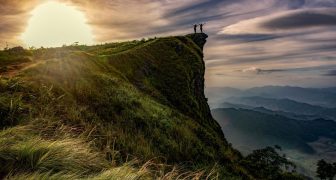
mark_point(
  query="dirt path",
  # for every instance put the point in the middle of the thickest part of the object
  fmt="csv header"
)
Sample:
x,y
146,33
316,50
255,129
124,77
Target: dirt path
x,y
14,69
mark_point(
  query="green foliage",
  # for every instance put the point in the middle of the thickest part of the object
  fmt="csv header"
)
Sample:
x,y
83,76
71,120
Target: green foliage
x,y
9,108
267,163
12,57
12,108
325,170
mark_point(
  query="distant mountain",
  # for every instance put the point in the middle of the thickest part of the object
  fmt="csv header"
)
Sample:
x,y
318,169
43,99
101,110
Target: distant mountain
x,y
216,95
301,120
268,111
236,106
321,97
304,142
330,90
252,129
315,96
224,91
284,105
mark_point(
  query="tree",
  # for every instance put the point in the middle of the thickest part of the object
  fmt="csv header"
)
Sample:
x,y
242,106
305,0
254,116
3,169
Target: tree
x,y
7,47
278,147
267,163
325,170
321,169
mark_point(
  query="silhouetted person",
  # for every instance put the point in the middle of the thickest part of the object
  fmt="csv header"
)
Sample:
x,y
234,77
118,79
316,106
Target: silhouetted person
x,y
201,27
195,28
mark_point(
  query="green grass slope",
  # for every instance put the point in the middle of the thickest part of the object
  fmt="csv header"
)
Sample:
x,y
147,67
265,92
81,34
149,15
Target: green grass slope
x,y
87,112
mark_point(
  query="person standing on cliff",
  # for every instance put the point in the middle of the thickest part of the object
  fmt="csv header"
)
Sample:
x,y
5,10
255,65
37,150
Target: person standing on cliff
x,y
201,27
195,28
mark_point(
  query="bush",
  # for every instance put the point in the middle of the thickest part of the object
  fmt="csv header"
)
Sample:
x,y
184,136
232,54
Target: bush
x,y
267,164
325,170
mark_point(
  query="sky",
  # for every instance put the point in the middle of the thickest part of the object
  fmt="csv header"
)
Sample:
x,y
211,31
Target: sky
x,y
251,42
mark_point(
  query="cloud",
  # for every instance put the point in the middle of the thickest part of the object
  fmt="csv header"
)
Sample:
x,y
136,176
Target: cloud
x,y
267,41
198,11
302,19
286,21
121,19
201,5
321,3
110,20
258,71
14,15
248,37
330,73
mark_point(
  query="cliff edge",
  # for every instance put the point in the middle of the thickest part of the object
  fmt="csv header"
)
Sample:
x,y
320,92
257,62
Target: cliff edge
x,y
109,103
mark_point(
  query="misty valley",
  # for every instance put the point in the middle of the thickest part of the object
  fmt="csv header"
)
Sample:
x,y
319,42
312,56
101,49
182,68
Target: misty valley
x,y
300,120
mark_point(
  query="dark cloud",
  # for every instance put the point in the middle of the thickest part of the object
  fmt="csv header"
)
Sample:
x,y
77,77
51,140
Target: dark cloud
x,y
291,4
248,37
321,3
294,4
330,73
301,19
200,7
323,48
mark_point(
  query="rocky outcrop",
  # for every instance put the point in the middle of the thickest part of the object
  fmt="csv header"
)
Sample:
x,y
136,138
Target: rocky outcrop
x,y
199,39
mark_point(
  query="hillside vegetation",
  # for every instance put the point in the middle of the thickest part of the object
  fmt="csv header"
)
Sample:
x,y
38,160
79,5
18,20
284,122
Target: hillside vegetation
x,y
130,110
126,110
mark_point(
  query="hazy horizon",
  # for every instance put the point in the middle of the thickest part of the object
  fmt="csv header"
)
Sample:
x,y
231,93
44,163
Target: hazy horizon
x,y
270,85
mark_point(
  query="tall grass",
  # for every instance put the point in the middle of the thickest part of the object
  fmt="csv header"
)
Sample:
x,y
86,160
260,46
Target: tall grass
x,y
20,151
27,156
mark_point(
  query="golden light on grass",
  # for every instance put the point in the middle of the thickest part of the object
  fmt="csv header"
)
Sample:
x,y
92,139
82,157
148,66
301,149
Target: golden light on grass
x,y
54,24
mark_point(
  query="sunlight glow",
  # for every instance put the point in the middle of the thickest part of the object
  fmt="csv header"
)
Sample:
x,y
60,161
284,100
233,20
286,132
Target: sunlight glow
x,y
54,24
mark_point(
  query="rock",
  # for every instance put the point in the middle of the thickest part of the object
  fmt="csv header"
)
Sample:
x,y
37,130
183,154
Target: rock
x,y
199,39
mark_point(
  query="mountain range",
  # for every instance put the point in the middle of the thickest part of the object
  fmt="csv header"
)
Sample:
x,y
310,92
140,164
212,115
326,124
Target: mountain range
x,y
303,124
285,106
304,142
324,97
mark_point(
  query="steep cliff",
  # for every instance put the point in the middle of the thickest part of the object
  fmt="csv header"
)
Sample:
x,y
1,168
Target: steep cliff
x,y
92,108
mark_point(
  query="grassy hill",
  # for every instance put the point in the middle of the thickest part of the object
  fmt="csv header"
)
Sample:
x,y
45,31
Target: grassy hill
x,y
119,110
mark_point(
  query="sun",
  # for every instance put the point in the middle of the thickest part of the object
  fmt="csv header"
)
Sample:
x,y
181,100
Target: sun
x,y
54,24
